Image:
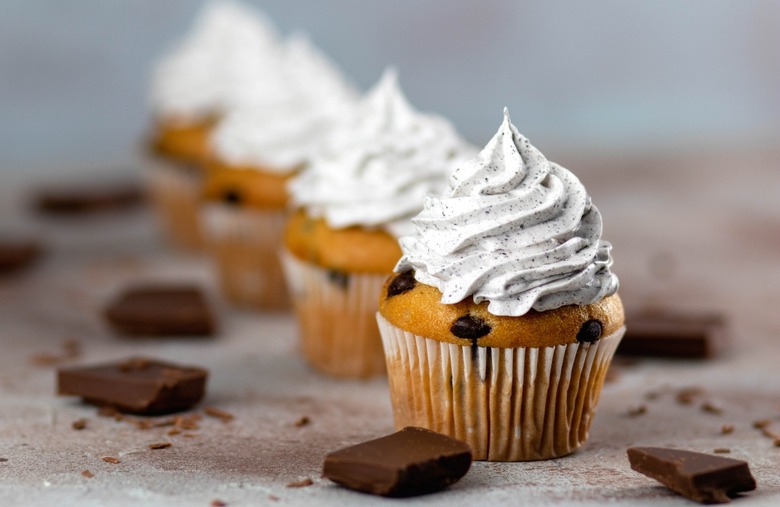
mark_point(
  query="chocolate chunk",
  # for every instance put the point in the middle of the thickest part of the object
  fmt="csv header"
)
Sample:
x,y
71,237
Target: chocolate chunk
x,y
413,461
88,197
590,332
137,385
232,196
401,283
700,477
339,278
470,327
161,311
673,334
17,253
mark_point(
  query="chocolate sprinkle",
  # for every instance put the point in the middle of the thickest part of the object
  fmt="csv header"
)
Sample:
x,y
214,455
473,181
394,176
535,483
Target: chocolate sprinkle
x,y
470,327
590,331
402,283
232,196
339,278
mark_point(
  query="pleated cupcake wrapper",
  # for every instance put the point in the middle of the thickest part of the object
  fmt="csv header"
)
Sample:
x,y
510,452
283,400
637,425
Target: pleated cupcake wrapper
x,y
245,245
337,318
175,193
512,404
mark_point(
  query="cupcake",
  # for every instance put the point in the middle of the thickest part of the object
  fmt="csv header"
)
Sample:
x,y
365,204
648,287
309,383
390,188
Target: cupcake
x,y
502,319
191,89
263,141
350,204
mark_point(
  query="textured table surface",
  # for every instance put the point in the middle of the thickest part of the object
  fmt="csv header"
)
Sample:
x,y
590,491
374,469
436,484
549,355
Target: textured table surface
x,y
688,232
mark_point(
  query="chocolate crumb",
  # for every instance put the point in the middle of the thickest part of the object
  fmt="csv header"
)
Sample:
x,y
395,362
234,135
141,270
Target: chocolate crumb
x,y
402,283
711,408
273,498
590,332
218,503
173,432
87,474
761,423
300,484
727,428
79,424
111,459
303,421
3,460
722,450
470,327
637,411
221,414
688,395
160,445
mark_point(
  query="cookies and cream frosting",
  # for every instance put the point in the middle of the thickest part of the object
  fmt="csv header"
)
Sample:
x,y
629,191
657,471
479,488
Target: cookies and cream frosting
x,y
281,120
198,76
513,229
375,168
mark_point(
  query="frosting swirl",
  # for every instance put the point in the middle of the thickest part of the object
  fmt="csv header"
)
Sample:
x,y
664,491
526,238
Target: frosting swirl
x,y
514,229
375,168
197,77
278,123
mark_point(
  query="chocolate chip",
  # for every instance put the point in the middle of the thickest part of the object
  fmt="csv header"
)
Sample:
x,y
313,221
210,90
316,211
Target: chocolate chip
x,y
339,278
590,331
401,283
470,327
232,196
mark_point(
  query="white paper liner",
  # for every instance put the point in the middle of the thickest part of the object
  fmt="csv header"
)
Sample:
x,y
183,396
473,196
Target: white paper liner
x,y
245,245
175,194
508,404
336,316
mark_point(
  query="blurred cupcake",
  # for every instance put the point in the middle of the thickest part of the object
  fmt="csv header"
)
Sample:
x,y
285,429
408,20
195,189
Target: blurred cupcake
x,y
191,89
503,318
352,202
258,146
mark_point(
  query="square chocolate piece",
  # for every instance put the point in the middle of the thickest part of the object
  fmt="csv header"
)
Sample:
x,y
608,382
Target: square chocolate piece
x,y
413,461
673,334
701,477
161,311
136,385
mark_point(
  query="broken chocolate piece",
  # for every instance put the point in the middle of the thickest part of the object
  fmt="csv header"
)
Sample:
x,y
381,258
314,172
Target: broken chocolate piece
x,y
75,198
402,283
413,461
161,311
700,477
470,327
590,331
671,334
138,385
17,253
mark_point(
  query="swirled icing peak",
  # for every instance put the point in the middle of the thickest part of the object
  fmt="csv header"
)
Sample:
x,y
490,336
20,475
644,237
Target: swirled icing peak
x,y
513,229
282,119
198,76
377,165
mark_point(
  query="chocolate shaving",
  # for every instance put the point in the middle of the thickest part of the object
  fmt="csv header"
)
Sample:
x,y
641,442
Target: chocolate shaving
x,y
221,414
721,450
300,484
111,459
160,445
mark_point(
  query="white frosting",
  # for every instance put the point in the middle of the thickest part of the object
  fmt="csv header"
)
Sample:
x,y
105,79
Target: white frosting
x,y
198,76
376,167
281,120
514,229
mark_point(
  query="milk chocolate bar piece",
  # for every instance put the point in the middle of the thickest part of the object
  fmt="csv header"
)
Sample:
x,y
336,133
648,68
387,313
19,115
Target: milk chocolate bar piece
x,y
672,334
161,311
87,197
136,385
700,477
413,461
17,253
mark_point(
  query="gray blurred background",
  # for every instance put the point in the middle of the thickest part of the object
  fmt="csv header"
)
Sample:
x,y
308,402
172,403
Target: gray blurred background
x,y
609,77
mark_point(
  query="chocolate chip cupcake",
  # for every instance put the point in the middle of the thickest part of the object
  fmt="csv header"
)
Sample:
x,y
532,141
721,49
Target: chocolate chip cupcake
x,y
191,89
258,147
352,202
503,317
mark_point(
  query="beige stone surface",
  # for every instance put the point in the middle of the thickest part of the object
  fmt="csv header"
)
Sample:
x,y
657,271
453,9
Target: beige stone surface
x,y
694,232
